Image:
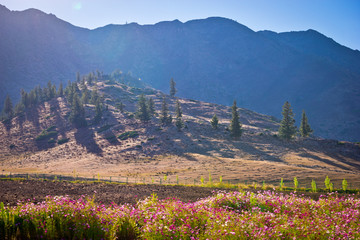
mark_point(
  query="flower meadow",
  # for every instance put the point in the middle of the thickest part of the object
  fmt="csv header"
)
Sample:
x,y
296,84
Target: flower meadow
x,y
225,215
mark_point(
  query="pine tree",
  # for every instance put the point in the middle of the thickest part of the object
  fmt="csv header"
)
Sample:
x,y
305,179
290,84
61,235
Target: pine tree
x,y
151,106
85,95
94,96
142,112
77,115
214,122
304,129
179,123
165,118
24,98
172,88
287,128
178,111
8,107
98,111
235,126
120,106
60,90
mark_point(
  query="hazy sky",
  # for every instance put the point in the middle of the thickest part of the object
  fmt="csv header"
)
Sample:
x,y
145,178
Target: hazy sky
x,y
338,19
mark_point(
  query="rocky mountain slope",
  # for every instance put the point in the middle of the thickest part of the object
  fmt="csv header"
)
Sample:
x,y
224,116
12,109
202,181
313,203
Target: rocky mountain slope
x,y
214,60
155,150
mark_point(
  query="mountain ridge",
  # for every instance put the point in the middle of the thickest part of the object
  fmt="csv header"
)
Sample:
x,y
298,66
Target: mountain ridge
x,y
214,59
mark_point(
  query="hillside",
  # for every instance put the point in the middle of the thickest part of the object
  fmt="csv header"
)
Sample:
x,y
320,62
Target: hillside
x,y
157,150
214,60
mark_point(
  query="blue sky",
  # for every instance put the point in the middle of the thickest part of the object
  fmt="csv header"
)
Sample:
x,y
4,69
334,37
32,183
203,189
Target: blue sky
x,y
338,19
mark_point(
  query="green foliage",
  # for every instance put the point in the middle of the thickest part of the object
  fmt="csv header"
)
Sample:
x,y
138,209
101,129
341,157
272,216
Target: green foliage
x,y
77,115
130,134
179,123
63,140
51,140
8,107
344,184
327,182
235,126
142,112
120,106
313,185
98,111
172,88
46,133
281,184
287,128
304,129
165,117
296,183
202,179
150,106
178,111
60,92
214,122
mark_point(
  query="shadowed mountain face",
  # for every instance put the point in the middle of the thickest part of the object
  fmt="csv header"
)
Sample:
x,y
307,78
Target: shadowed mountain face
x,y
215,59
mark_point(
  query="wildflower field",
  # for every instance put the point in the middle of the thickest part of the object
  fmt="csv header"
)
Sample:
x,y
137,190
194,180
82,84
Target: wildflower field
x,y
225,215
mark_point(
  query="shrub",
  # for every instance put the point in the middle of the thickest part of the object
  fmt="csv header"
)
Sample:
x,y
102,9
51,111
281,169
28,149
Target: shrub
x,y
46,134
63,140
51,140
12,146
130,134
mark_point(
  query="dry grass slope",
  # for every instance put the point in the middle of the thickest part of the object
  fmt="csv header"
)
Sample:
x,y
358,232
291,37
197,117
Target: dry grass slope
x,y
157,150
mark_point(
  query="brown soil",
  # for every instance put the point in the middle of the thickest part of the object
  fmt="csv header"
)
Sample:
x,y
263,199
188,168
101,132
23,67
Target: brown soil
x,y
13,191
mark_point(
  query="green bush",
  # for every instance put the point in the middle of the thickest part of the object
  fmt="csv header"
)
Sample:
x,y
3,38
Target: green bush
x,y
63,140
130,134
45,134
51,140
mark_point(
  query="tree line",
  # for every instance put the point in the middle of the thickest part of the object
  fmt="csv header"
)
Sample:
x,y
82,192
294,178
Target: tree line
x,y
77,94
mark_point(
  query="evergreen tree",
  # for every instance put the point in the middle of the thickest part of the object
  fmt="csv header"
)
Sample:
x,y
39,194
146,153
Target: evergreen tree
x,y
24,98
77,115
235,126
172,88
178,111
51,91
151,106
98,111
8,107
165,118
120,106
60,90
179,123
94,96
287,128
78,77
142,112
304,129
85,95
214,122
19,108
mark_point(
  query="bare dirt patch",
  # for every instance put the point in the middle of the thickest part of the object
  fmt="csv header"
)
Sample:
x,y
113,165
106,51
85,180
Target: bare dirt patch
x,y
13,191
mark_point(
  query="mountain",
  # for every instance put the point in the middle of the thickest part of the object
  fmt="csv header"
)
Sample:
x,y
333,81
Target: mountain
x,y
43,140
214,59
